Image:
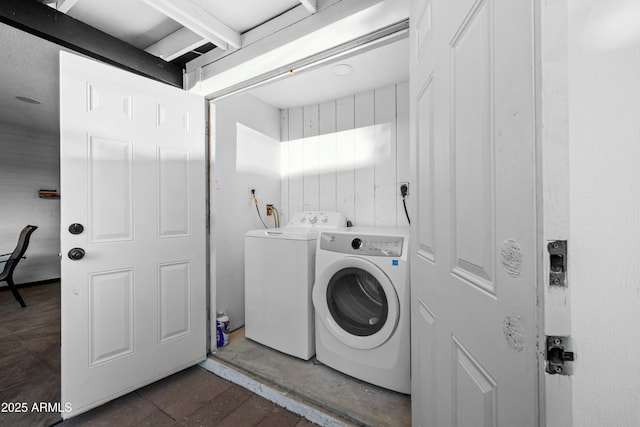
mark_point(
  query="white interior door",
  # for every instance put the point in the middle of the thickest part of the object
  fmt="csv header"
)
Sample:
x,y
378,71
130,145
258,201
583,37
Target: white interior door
x,y
474,255
133,174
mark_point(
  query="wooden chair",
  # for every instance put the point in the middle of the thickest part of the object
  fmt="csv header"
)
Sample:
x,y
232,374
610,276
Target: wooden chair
x,y
14,259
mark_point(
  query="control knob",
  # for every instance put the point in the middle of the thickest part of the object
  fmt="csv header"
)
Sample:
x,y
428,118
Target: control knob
x,y
356,243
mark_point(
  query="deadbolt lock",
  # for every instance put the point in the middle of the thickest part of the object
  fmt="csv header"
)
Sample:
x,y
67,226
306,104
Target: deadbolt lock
x,y
76,228
560,355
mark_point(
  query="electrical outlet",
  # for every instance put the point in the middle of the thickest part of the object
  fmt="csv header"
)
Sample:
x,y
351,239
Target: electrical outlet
x,y
404,189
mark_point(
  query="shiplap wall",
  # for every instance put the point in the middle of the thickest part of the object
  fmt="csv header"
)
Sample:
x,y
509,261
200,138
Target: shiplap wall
x,y
29,162
348,155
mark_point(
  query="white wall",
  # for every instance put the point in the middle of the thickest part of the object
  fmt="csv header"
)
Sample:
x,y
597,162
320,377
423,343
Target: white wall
x,y
348,155
604,241
246,154
29,162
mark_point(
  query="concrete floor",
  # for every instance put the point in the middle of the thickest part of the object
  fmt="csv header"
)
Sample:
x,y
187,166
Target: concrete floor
x,y
347,398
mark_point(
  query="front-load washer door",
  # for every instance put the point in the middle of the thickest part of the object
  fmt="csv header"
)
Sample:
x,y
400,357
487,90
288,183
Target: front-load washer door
x,y
356,302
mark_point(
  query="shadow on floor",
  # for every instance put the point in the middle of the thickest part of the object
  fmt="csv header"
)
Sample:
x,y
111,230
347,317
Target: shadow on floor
x,y
315,384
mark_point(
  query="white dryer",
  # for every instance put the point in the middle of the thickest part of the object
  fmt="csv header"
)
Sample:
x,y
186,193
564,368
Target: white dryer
x,y
279,267
361,298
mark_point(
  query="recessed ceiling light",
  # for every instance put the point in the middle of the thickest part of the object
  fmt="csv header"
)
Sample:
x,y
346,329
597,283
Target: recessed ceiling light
x,y
28,100
342,69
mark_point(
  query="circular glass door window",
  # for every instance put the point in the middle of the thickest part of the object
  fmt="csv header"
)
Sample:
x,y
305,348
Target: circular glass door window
x,y
357,302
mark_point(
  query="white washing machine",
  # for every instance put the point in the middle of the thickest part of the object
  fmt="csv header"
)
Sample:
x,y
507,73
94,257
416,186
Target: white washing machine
x,y
279,269
361,299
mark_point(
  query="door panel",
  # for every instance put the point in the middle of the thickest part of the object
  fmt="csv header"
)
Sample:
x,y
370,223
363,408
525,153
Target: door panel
x,y
110,201
174,285
426,220
472,156
474,258
474,391
110,102
110,315
133,173
423,321
173,189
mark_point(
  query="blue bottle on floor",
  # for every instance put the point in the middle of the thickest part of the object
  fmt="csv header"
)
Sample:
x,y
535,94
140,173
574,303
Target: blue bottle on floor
x,y
222,329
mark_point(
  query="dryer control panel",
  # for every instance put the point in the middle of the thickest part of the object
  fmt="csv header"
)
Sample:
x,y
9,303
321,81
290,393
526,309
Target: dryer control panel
x,y
368,245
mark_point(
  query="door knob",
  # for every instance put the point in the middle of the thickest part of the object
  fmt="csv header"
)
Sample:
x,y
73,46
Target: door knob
x,y
76,228
76,254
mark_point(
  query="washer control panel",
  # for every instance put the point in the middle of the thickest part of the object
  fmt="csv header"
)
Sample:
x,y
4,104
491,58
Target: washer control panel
x,y
369,245
317,219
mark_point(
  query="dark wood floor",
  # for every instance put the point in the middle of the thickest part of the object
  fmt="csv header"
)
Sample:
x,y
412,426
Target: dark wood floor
x,y
30,373
30,354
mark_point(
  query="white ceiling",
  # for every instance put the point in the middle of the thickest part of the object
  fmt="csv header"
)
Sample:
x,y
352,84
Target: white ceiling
x,y
30,64
139,24
243,15
373,69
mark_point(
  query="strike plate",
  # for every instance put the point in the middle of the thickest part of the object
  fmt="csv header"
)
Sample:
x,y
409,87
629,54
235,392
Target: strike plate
x,y
558,263
560,355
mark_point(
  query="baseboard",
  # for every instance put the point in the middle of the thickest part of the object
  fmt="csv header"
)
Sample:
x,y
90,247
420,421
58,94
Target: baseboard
x,y
4,287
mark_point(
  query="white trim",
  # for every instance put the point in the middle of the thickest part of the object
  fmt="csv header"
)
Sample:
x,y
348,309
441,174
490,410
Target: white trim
x,y
176,44
198,20
555,392
338,53
310,5
331,27
65,6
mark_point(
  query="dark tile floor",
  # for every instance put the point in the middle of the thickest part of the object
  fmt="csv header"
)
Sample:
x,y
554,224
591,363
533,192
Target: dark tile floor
x,y
30,354
30,373
193,397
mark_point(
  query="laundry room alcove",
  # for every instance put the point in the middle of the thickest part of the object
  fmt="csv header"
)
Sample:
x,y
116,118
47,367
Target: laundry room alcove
x,y
318,141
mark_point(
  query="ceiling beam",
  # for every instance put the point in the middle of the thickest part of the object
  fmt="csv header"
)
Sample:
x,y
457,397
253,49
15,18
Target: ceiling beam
x,y
198,20
65,6
176,44
47,23
331,27
311,5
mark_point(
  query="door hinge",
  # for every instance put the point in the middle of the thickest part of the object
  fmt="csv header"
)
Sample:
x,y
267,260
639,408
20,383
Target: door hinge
x,y
559,355
557,263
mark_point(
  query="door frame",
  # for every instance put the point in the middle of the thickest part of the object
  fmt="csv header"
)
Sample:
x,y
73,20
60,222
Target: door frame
x,y
552,207
552,186
210,150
